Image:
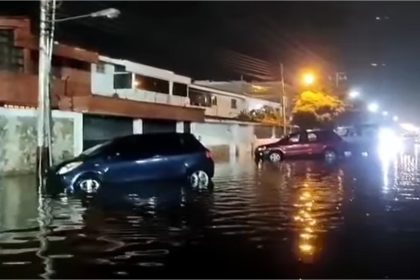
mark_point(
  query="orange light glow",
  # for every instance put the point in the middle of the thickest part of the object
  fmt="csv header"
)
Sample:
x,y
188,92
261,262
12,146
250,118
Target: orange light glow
x,y
309,78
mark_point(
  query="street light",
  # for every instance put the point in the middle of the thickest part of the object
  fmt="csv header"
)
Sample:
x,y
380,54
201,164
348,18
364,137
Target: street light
x,y
354,94
308,79
395,118
373,107
384,113
108,13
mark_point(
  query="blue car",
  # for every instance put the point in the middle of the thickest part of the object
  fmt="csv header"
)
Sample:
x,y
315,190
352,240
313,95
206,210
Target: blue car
x,y
137,158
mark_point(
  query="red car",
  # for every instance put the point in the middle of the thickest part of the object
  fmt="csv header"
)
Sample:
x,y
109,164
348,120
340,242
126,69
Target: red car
x,y
325,143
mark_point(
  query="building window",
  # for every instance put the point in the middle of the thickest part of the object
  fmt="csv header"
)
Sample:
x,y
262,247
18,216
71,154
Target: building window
x,y
152,84
100,67
119,68
11,57
180,89
233,103
200,97
214,100
122,81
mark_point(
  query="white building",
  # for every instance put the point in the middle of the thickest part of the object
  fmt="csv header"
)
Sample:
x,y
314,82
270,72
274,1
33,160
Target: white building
x,y
221,129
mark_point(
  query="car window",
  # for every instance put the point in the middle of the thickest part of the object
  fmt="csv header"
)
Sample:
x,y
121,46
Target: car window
x,y
294,138
190,144
132,148
312,137
161,144
329,136
126,148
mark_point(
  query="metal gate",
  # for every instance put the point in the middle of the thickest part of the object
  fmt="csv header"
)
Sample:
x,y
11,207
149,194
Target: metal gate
x,y
97,129
158,126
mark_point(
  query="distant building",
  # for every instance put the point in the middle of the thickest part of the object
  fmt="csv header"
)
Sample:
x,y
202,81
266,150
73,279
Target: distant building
x,y
271,91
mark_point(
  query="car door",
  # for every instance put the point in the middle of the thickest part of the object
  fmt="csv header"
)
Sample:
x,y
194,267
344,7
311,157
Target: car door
x,y
172,156
295,145
134,159
314,145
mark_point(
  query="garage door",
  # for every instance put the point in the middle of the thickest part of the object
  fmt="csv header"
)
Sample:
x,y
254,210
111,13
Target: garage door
x,y
158,126
97,129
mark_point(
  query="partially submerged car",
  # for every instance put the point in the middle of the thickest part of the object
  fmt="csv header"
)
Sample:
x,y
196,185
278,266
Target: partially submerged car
x,y
136,158
325,143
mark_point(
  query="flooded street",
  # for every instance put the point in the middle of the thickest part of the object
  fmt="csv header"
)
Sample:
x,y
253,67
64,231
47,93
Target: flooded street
x,y
297,219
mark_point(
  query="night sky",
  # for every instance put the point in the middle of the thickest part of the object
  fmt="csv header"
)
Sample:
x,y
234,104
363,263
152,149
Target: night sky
x,y
224,40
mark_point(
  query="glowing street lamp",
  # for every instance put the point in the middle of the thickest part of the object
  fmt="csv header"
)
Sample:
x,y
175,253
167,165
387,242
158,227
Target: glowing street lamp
x,y
354,94
385,113
309,79
110,13
373,107
395,118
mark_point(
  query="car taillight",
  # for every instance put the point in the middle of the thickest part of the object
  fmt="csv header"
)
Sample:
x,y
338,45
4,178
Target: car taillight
x,y
208,154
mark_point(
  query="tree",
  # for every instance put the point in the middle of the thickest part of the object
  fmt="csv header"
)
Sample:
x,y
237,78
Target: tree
x,y
317,109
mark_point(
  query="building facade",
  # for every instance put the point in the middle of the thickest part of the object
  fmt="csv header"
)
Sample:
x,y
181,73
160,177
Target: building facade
x,y
109,97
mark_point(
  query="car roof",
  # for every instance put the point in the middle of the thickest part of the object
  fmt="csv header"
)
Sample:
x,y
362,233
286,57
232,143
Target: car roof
x,y
319,130
150,135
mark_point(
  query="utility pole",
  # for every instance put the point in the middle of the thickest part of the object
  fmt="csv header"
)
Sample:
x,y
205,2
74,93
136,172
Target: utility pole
x,y
283,99
48,111
338,77
44,108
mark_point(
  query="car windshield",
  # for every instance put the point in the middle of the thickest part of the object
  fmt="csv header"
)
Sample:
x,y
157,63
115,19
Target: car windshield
x,y
95,149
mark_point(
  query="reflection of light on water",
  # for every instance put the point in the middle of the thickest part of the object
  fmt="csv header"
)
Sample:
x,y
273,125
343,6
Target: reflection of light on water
x,y
307,248
390,145
385,175
306,218
315,204
401,178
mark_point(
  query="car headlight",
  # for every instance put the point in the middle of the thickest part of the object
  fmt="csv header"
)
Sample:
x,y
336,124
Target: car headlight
x,y
69,167
260,149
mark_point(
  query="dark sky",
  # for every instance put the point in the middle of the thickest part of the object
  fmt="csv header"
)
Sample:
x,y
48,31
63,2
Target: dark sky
x,y
224,40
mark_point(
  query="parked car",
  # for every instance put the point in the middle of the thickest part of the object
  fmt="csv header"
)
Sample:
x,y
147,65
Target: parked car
x,y
146,157
325,143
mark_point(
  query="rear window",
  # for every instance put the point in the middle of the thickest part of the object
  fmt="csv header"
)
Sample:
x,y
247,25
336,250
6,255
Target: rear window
x,y
190,144
327,136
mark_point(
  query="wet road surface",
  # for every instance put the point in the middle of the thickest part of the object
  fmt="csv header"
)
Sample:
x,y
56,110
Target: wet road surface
x,y
297,219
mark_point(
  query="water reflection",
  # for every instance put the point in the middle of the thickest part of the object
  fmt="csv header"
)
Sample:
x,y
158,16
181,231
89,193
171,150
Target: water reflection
x,y
401,176
318,202
285,220
16,192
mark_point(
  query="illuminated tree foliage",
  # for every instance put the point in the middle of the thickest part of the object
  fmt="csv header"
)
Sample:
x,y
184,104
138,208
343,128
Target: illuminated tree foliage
x,y
317,109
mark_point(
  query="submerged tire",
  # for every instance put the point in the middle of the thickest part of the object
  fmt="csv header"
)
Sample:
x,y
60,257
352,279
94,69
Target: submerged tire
x,y
330,155
199,179
88,184
275,157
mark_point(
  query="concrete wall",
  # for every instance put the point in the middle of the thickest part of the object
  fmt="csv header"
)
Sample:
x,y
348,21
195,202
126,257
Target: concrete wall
x,y
102,83
226,140
18,139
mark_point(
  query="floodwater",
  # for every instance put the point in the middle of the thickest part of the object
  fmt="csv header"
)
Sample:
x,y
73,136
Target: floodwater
x,y
298,219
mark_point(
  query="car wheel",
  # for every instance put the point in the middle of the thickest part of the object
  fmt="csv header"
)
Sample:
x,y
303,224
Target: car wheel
x,y
199,180
88,184
330,155
275,157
